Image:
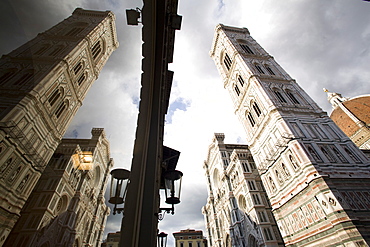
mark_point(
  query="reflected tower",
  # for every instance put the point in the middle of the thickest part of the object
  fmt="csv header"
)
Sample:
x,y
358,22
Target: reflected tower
x,y
42,85
315,177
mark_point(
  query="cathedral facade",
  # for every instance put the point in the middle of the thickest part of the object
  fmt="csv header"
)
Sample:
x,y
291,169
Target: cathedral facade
x,y
316,179
67,206
42,85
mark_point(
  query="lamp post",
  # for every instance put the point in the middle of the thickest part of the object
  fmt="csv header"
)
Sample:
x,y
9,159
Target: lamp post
x,y
162,239
118,189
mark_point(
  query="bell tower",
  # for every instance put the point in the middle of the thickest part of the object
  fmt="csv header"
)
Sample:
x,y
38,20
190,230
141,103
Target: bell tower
x,y
316,179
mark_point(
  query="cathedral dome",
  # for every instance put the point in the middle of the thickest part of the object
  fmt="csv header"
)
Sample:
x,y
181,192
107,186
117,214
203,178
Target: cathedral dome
x,y
359,107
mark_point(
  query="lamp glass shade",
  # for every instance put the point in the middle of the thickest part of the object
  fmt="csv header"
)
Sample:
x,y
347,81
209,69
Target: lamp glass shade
x,y
119,182
162,239
172,181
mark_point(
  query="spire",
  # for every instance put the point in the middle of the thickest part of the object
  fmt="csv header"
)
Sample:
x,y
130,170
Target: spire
x,y
335,99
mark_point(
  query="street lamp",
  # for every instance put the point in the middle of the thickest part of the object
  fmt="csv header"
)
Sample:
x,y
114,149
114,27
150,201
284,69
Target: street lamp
x,y
118,188
172,182
162,239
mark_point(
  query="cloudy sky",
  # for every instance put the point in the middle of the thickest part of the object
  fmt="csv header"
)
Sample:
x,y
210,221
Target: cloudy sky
x,y
319,43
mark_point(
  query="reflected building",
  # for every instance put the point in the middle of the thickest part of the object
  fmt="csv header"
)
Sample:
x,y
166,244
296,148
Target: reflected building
x,y
67,206
42,85
316,179
238,212
189,238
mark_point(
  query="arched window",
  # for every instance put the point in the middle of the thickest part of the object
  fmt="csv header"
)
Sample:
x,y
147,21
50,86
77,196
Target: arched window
x,y
227,61
96,50
241,81
260,70
251,119
246,49
285,169
77,68
256,108
279,96
271,72
273,186
54,97
293,162
237,90
242,203
81,79
292,97
62,106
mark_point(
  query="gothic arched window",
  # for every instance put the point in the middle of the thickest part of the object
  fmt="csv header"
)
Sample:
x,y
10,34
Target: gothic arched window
x,y
241,81
81,79
237,90
227,61
54,96
273,186
293,162
251,119
77,68
256,108
62,106
285,169
96,49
